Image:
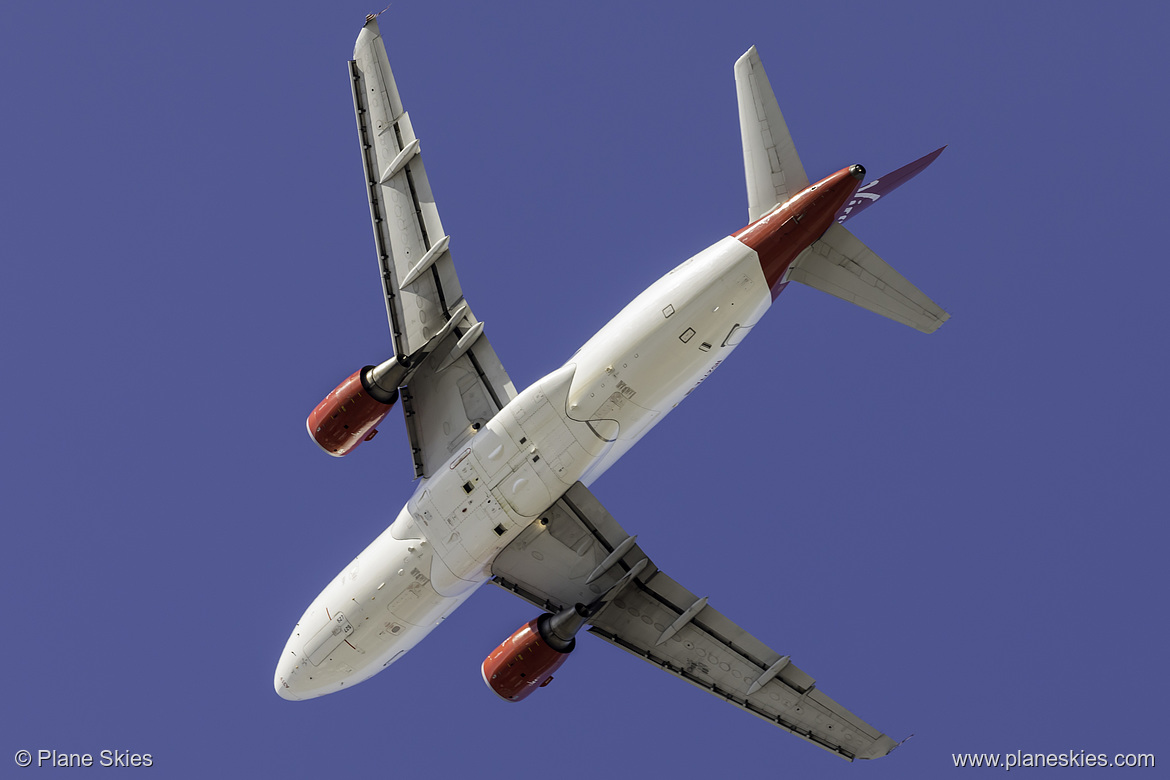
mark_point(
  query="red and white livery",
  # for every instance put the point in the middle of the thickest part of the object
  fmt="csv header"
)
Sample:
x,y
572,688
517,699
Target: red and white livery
x,y
503,476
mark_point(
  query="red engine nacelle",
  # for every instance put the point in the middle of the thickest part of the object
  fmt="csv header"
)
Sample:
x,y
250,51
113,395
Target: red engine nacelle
x,y
527,659
350,414
522,663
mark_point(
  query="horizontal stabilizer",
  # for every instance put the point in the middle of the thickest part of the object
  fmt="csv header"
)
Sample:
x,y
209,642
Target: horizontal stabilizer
x,y
771,165
839,264
867,194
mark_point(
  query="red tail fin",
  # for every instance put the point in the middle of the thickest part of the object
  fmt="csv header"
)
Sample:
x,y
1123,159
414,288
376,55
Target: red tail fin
x,y
878,188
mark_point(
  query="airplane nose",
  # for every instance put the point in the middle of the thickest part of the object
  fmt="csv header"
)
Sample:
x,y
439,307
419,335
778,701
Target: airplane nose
x,y
285,693
286,679
858,171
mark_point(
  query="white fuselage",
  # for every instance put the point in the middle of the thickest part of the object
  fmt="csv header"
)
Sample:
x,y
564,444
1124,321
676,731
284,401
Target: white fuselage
x,y
570,426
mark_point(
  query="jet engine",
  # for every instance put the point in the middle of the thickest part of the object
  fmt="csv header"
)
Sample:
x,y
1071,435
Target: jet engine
x,y
352,412
526,660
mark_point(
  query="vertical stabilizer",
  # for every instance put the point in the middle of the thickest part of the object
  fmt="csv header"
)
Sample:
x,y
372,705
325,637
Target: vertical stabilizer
x,y
772,167
868,194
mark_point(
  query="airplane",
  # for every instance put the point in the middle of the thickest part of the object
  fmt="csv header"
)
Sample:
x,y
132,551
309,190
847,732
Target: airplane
x,y
503,476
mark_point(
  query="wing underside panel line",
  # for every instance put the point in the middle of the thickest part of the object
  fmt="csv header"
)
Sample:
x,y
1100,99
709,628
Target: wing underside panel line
x,y
487,384
389,286
422,224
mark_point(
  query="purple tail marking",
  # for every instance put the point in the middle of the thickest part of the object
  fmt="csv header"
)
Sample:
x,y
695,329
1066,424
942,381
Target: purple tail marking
x,y
879,188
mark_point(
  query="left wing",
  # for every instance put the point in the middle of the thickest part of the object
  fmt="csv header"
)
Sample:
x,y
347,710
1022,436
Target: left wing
x,y
458,382
579,555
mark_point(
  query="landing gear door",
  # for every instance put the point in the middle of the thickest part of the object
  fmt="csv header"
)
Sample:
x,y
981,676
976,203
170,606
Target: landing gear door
x,y
327,639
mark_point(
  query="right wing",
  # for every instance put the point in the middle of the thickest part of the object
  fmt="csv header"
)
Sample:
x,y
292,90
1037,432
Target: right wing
x,y
771,165
556,565
458,382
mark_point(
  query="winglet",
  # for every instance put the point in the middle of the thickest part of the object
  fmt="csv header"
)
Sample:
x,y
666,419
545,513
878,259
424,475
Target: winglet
x,y
374,17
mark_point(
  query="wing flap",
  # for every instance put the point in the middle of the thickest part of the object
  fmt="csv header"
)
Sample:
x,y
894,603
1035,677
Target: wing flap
x,y
659,620
579,536
453,394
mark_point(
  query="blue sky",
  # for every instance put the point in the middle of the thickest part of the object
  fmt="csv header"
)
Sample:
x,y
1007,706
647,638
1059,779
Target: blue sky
x,y
961,536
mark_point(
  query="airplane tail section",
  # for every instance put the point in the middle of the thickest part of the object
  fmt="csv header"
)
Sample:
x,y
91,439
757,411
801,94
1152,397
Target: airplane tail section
x,y
771,165
867,194
839,264
836,263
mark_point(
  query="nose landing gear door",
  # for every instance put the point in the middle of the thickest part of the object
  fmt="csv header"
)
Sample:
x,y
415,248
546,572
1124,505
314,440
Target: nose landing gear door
x,y
327,639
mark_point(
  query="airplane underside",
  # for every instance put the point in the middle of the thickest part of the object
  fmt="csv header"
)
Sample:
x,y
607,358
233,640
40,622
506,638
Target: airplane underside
x,y
503,476
569,426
